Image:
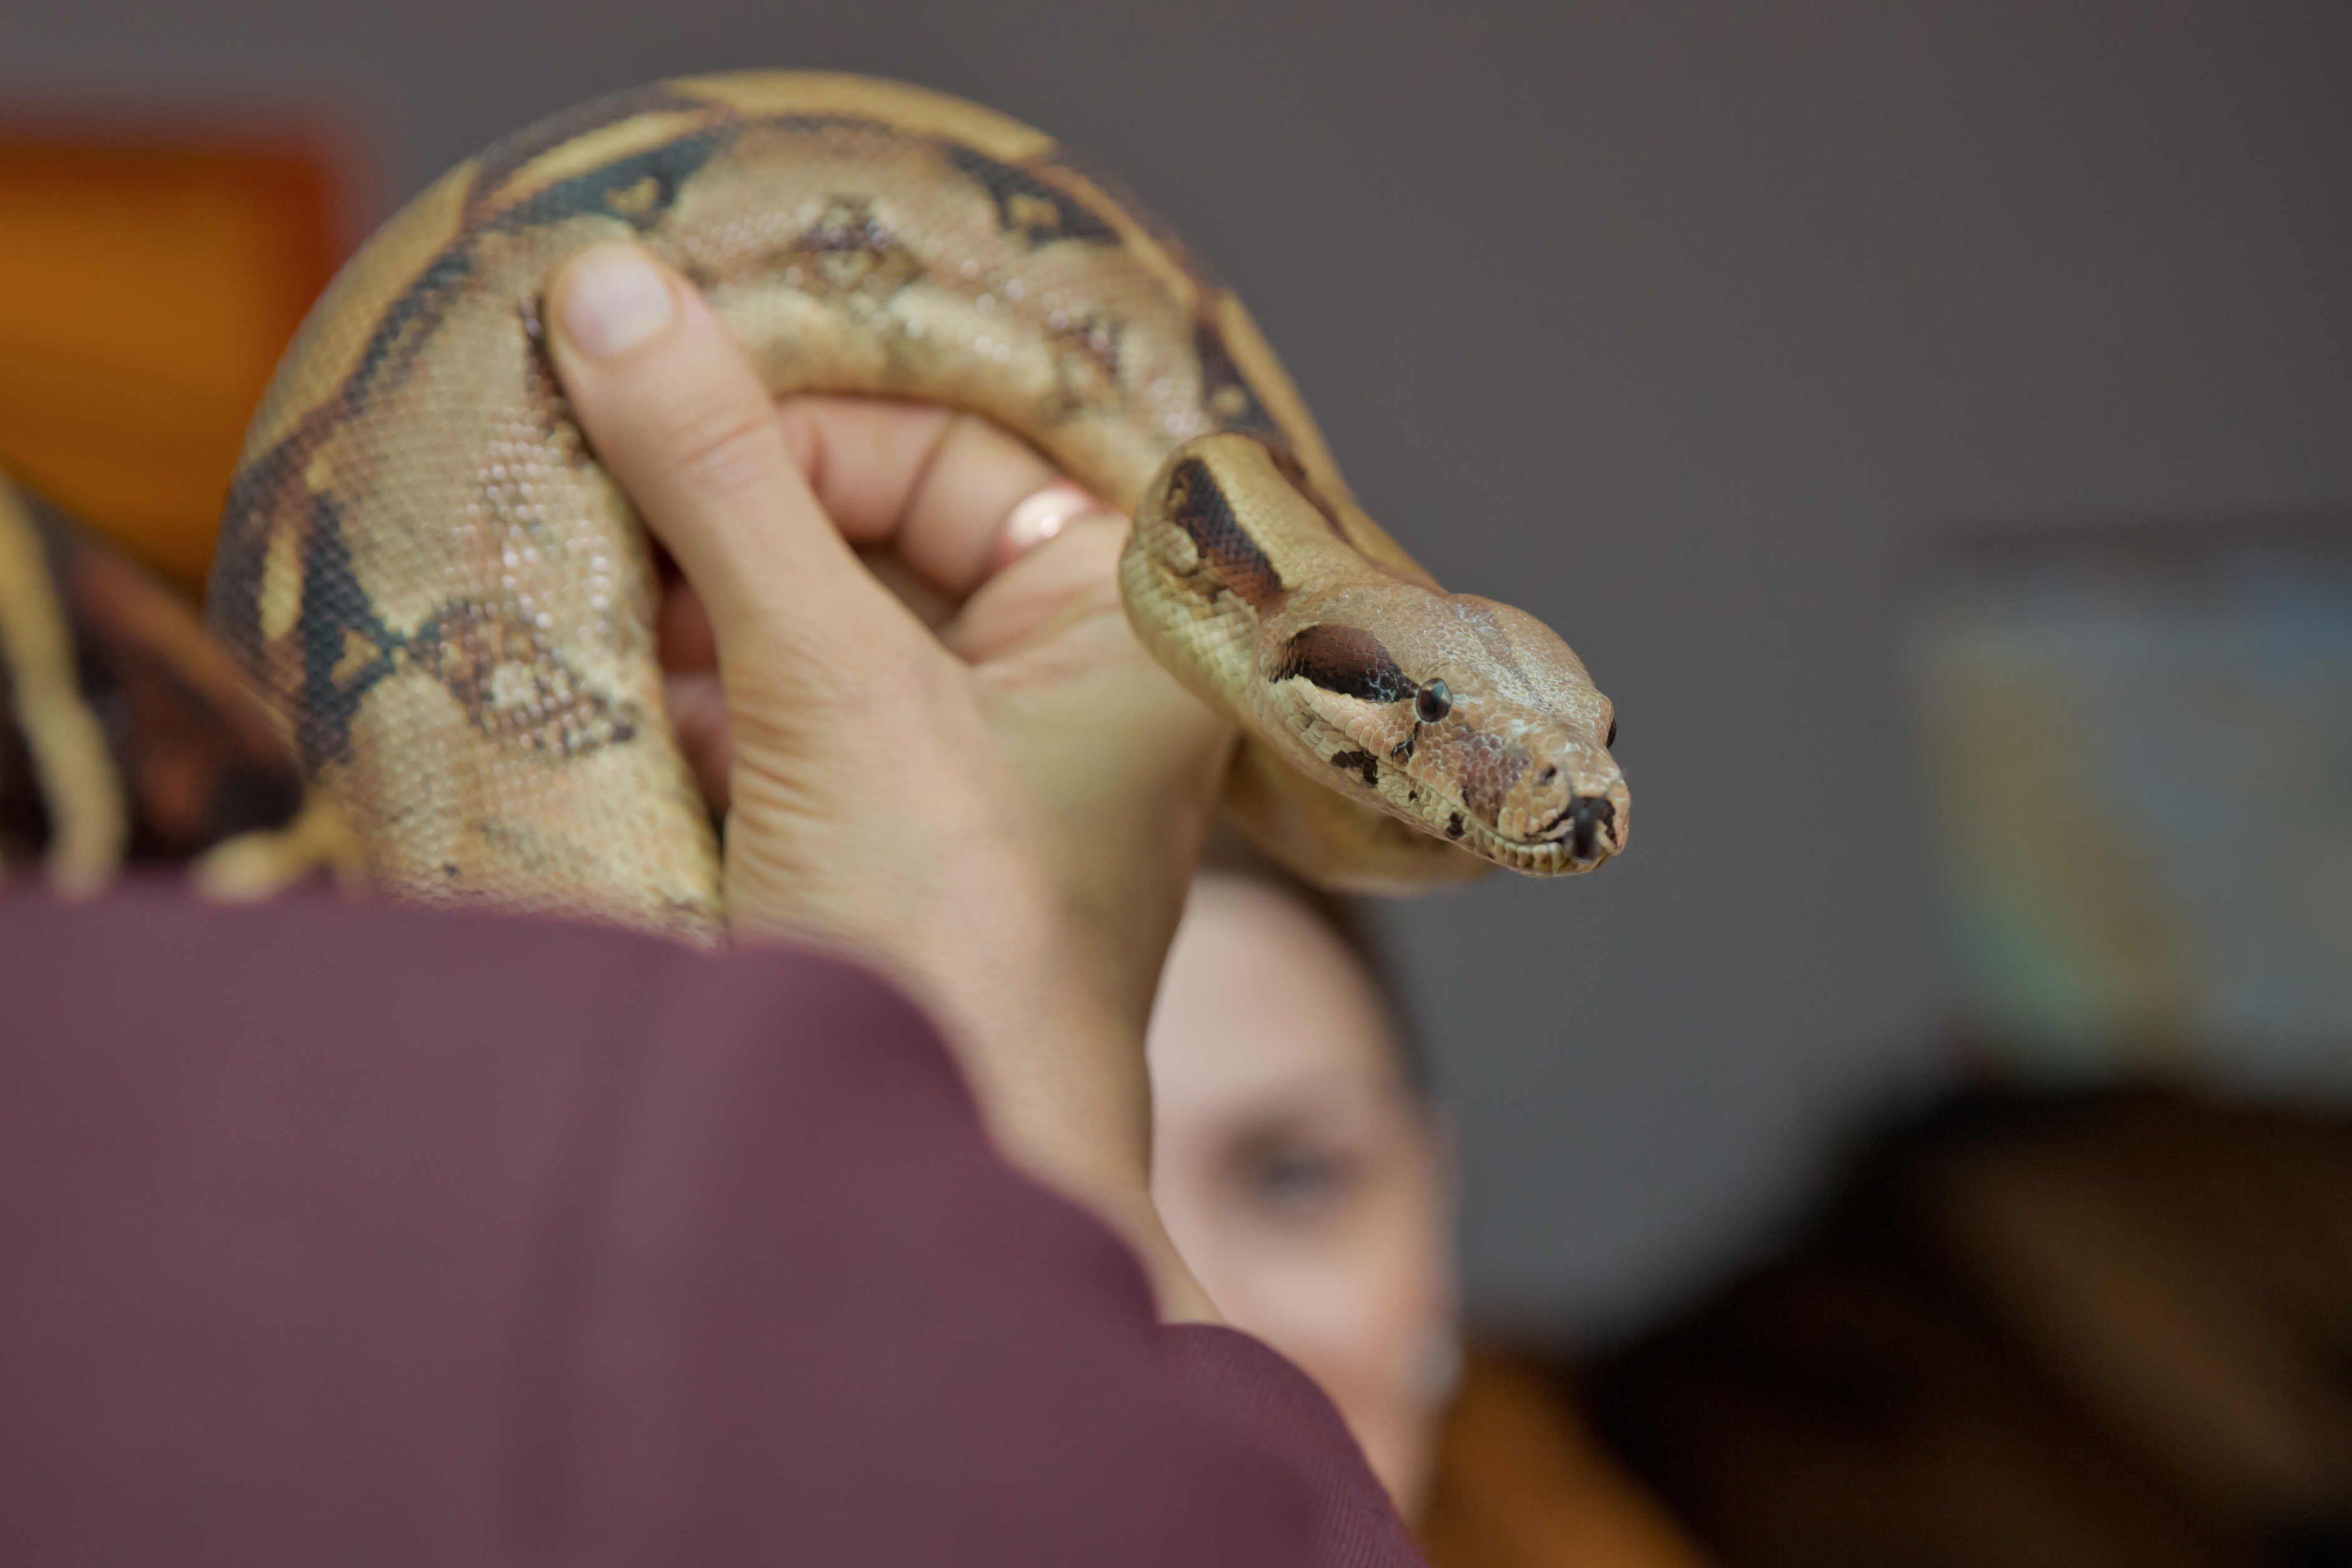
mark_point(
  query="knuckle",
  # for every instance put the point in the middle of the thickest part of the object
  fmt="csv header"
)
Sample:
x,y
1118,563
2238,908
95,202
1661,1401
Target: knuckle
x,y
720,449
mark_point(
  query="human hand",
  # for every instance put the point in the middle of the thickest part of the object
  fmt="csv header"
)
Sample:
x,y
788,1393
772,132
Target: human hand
x,y
1004,814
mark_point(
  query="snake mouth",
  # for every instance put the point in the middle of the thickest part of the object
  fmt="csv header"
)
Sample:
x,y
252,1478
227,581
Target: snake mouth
x,y
1558,849
1580,824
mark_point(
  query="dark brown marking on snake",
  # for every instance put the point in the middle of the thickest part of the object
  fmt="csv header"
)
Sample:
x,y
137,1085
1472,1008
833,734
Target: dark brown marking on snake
x,y
336,610
1489,769
1403,751
1225,393
506,157
1345,659
847,255
638,189
512,683
24,824
405,328
233,599
1027,206
199,758
1453,828
1197,504
1293,474
1085,367
201,763
1363,762
1069,168
320,672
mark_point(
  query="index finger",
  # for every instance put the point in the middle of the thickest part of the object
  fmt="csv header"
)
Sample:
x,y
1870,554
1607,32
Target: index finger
x,y
954,496
686,429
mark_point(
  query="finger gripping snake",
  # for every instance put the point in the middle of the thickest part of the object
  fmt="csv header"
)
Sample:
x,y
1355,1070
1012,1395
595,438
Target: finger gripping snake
x,y
451,607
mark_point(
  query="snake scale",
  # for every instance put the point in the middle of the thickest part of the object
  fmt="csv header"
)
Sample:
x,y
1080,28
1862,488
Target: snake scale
x,y
449,606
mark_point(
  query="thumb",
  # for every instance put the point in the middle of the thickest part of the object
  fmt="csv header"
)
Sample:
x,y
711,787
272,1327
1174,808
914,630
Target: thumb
x,y
677,418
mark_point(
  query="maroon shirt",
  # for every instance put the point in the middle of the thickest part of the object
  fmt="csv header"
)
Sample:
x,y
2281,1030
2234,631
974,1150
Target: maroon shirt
x,y
338,1234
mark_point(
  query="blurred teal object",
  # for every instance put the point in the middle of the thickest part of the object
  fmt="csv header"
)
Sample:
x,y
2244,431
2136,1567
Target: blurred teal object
x,y
2137,747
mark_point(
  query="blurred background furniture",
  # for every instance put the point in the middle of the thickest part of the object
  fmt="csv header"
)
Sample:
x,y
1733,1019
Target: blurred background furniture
x,y
2112,1327
149,280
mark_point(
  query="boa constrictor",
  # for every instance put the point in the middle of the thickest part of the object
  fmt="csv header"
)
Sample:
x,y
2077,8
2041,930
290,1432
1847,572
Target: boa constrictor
x,y
451,605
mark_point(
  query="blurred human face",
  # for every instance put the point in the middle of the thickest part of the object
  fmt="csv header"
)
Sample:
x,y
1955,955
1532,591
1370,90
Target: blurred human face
x,y
1297,1173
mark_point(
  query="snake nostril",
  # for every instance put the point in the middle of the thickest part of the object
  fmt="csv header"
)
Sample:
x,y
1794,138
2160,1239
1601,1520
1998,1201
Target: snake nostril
x,y
1587,816
1546,776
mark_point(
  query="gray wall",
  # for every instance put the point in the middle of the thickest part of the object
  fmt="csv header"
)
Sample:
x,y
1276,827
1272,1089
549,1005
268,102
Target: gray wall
x,y
1682,325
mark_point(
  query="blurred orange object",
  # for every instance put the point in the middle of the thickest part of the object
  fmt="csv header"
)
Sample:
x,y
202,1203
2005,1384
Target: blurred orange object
x,y
1522,1484
147,287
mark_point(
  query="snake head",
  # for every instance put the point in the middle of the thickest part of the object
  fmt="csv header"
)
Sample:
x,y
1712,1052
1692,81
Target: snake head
x,y
1275,596
1468,718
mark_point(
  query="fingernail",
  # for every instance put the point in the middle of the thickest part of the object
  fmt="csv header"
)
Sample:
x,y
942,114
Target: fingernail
x,y
616,301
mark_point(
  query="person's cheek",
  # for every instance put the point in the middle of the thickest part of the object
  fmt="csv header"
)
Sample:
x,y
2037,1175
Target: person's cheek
x,y
1335,1290
1369,1292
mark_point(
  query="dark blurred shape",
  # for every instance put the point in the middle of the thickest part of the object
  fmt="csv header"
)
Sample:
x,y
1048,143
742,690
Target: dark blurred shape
x,y
2139,773
148,282
2104,1328
197,759
1522,1484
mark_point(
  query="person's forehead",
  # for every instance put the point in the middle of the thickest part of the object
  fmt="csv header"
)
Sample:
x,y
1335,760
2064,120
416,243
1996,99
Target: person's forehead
x,y
1260,996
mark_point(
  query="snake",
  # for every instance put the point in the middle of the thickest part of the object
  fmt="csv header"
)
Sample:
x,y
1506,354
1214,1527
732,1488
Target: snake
x,y
128,736
449,605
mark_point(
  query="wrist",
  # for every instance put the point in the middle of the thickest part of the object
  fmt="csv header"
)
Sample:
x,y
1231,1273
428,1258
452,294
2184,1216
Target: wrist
x,y
1057,1069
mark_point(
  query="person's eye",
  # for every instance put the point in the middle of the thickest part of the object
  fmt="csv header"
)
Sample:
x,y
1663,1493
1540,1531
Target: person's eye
x,y
1296,1183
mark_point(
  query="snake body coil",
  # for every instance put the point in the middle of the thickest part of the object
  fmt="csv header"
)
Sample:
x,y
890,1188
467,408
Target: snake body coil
x,y
451,605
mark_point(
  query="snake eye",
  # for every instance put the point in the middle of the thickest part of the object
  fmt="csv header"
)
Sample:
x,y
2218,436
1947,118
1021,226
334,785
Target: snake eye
x,y
1432,702
1613,731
